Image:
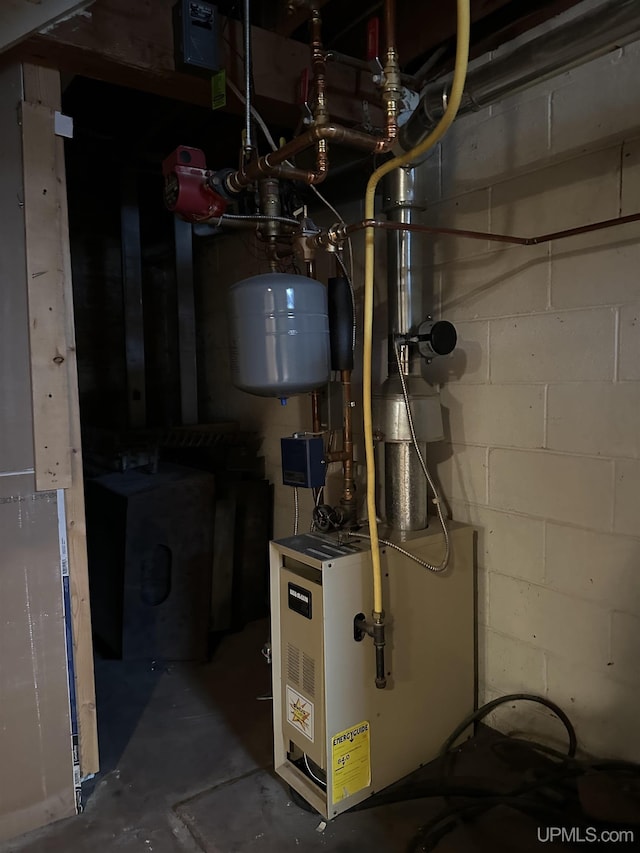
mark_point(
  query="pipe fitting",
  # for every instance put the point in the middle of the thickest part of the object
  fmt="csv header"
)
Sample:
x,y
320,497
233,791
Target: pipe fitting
x,y
379,645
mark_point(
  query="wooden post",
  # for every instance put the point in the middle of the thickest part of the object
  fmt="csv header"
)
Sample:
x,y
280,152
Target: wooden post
x,y
42,99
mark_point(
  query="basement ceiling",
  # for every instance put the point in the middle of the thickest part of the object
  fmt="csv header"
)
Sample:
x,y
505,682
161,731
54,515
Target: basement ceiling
x,y
425,28
129,103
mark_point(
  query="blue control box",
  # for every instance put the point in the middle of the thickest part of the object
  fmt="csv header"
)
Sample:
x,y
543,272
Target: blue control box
x,y
303,462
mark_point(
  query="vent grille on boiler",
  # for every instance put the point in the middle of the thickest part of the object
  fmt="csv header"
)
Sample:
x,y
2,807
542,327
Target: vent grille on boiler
x,y
293,664
308,675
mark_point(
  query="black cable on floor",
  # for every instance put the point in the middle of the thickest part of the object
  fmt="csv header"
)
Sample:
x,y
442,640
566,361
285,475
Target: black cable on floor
x,y
484,710
548,797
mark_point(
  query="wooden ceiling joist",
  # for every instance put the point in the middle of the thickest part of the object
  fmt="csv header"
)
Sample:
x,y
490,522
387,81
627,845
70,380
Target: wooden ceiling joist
x,y
20,18
131,44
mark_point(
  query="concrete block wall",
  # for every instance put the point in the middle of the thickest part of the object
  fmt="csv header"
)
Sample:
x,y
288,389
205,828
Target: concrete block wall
x,y
542,397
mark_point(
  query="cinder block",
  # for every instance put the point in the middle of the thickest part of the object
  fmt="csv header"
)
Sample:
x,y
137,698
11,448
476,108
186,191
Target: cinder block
x,y
483,148
565,195
482,579
574,489
554,347
461,471
525,719
469,212
625,646
597,418
630,202
627,497
550,620
596,269
597,104
496,284
511,415
629,355
509,544
601,567
469,362
604,712
510,665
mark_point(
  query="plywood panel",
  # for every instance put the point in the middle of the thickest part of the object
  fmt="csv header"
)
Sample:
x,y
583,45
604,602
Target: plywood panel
x,y
16,438
45,289
35,730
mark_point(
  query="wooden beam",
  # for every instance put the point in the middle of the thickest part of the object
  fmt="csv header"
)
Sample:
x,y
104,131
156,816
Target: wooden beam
x,y
131,44
20,18
290,19
42,88
421,29
45,291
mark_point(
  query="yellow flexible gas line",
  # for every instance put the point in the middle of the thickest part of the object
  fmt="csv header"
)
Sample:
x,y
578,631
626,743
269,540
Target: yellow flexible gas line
x,y
457,88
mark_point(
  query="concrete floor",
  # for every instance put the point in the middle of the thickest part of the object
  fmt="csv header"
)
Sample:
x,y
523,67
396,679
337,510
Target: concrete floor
x,y
166,734
186,768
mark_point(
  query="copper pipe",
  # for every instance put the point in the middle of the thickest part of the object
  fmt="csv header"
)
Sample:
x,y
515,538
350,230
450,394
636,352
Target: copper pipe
x,y
392,88
584,229
337,456
431,229
385,225
390,23
348,499
319,63
274,164
316,425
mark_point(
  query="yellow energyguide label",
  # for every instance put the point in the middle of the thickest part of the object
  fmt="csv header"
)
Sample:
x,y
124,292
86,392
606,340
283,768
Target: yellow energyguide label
x,y
350,761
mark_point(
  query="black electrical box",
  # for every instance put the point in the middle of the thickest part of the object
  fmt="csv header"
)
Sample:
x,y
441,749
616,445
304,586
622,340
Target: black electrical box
x,y
195,30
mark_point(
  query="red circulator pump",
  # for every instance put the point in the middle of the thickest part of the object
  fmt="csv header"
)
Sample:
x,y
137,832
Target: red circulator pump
x,y
187,190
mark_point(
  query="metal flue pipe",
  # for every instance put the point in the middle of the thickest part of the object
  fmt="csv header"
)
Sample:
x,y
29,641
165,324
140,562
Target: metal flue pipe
x,y
595,33
405,288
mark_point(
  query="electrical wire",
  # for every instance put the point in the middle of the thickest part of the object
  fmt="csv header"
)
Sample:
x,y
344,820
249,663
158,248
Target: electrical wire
x,y
437,500
296,510
312,774
254,217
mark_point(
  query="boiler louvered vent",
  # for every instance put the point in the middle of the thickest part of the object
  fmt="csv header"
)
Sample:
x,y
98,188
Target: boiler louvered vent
x,y
308,675
293,664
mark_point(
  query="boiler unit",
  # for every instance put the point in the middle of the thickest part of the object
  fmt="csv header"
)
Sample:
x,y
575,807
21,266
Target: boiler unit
x,y
339,739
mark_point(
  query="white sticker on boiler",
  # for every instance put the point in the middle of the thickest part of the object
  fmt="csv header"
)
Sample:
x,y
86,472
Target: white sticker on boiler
x,y
300,713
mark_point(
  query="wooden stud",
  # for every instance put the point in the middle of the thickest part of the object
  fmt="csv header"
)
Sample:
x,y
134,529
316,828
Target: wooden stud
x,y
45,290
43,85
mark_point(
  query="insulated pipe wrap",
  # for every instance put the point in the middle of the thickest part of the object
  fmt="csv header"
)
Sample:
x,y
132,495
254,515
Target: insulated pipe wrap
x,y
340,323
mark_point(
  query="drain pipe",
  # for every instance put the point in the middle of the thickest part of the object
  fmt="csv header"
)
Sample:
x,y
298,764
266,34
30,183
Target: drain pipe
x,y
595,33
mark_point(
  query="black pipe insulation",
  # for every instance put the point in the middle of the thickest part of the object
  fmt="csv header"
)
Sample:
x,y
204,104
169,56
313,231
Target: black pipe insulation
x,y
340,323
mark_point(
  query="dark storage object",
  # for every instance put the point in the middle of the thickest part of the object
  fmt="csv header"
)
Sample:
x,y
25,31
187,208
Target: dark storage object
x,y
150,540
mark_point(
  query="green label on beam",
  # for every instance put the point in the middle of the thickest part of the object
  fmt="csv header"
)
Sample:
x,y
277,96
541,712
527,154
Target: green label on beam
x,y
219,90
